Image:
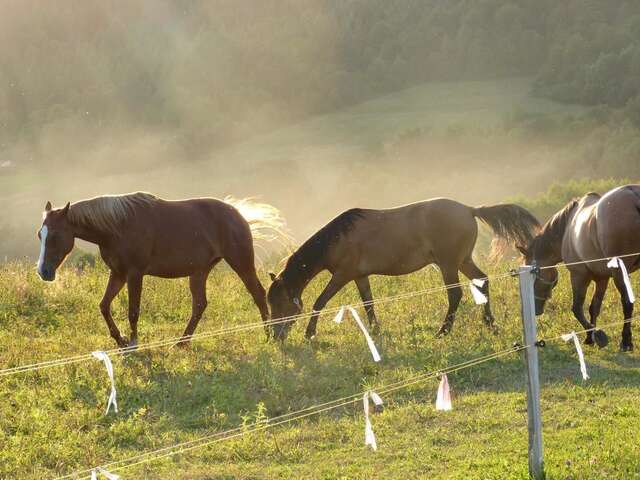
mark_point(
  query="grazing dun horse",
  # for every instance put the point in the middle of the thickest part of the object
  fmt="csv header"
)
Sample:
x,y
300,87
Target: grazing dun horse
x,y
590,228
139,234
360,242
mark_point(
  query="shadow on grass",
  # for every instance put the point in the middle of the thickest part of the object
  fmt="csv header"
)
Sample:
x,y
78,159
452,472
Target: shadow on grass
x,y
215,398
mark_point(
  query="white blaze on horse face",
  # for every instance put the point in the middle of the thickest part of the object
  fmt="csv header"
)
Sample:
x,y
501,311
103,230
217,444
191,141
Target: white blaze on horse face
x,y
43,247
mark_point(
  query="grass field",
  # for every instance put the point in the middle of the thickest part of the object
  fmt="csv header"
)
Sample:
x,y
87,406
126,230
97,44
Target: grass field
x,y
52,422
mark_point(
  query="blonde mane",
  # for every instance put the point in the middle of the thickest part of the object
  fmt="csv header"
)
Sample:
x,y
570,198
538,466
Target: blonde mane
x,y
108,212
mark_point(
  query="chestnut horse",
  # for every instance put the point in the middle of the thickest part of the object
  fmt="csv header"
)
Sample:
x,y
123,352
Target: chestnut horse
x,y
397,241
139,234
590,228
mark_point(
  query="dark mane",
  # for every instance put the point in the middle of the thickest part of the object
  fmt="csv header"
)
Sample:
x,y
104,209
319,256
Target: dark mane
x,y
553,231
306,262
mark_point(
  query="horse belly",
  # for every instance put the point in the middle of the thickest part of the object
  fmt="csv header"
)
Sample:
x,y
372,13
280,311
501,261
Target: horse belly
x,y
401,263
182,258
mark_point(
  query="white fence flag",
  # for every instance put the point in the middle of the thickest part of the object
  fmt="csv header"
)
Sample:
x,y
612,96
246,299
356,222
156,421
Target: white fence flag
x,y
107,363
443,399
339,316
615,262
372,346
369,436
583,367
475,286
103,472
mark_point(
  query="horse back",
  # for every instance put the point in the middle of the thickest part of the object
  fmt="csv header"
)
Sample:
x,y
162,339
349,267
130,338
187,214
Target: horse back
x,y
177,238
406,238
618,221
603,227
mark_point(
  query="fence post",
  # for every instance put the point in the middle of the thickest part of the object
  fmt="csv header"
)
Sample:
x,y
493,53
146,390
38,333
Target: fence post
x,y
526,275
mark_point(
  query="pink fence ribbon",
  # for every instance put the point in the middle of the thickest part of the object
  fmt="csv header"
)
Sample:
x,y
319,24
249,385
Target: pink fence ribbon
x,y
475,285
583,367
104,473
369,436
109,366
615,262
372,346
443,398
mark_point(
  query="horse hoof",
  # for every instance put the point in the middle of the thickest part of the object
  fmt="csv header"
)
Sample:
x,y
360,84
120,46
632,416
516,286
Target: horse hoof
x,y
600,338
492,328
626,348
183,344
444,330
589,340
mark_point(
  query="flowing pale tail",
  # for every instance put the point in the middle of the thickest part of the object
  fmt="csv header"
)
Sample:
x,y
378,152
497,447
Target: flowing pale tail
x,y
266,222
511,223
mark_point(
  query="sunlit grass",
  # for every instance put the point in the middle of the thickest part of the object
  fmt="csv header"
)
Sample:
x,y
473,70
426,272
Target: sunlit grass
x,y
52,422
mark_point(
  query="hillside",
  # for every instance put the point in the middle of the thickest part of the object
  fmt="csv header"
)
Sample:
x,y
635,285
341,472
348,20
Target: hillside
x,y
396,149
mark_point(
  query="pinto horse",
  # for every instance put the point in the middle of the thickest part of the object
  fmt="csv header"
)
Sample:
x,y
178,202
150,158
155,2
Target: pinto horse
x,y
359,243
589,228
139,234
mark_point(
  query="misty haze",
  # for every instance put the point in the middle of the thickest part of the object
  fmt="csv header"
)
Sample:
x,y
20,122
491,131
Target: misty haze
x,y
296,111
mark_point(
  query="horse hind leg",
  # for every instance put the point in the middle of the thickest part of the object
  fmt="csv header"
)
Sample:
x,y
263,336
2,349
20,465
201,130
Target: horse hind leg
x,y
450,277
134,289
579,285
626,344
364,288
596,306
471,271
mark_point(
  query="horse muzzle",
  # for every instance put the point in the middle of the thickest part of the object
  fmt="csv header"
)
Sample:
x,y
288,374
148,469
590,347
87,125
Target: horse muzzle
x,y
47,274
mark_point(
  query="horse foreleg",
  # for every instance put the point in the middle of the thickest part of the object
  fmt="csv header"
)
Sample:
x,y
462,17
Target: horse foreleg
x,y
246,270
364,287
626,344
596,305
114,286
471,271
450,277
579,285
134,288
334,286
198,287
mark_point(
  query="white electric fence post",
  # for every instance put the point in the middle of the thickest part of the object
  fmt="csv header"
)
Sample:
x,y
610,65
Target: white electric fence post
x,y
526,275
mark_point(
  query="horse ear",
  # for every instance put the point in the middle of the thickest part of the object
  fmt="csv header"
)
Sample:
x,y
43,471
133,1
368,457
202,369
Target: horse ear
x,y
273,276
47,207
65,210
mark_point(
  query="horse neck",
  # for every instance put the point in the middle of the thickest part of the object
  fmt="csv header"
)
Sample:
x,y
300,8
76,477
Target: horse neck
x,y
553,237
90,234
299,272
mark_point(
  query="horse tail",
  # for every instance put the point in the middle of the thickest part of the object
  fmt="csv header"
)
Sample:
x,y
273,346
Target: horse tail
x,y
511,223
265,221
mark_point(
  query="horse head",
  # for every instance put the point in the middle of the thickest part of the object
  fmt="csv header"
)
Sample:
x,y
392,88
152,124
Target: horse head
x,y
282,306
546,273
56,240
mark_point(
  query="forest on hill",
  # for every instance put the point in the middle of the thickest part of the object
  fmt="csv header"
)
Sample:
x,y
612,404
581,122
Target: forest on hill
x,y
215,72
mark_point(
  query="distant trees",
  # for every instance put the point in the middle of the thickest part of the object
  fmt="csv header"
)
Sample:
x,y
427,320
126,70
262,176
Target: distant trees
x,y
213,72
